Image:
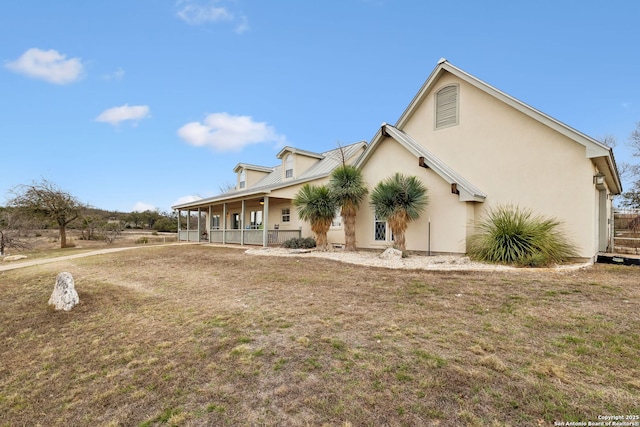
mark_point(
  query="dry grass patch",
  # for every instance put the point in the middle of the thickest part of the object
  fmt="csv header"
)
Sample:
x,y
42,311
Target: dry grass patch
x,y
210,336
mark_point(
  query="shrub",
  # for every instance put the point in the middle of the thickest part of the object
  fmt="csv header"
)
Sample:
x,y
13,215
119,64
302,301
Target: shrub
x,y
300,243
510,235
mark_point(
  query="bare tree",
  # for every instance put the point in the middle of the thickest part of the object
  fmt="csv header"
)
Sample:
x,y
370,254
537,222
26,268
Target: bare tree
x,y
10,228
226,187
609,140
634,140
45,199
631,198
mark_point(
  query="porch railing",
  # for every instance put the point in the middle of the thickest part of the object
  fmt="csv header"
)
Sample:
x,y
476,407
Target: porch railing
x,y
235,236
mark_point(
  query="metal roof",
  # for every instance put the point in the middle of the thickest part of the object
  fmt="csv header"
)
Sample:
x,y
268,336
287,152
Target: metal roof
x,y
294,150
248,166
328,161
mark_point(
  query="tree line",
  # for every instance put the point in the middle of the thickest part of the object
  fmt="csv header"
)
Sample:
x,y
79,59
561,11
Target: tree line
x,y
44,205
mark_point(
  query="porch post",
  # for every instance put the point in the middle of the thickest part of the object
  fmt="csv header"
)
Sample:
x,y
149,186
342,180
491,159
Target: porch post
x,y
224,223
188,225
199,233
242,223
179,225
265,222
209,219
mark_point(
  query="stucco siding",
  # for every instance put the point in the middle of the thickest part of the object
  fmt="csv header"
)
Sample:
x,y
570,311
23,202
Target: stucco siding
x,y
448,215
513,159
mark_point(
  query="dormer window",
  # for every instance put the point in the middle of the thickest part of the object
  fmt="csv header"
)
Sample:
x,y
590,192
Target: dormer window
x,y
243,179
447,107
288,166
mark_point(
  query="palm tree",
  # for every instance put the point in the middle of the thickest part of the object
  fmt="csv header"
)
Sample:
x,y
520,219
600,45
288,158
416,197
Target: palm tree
x,y
348,190
399,200
316,206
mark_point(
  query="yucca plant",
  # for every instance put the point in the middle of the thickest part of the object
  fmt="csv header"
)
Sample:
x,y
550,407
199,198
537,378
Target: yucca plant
x,y
398,200
348,190
511,235
316,206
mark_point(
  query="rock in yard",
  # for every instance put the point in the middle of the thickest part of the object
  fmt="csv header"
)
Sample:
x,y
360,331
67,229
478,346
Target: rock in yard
x,y
391,253
64,296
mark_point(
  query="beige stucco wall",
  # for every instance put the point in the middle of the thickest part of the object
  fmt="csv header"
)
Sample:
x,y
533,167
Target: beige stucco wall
x,y
300,164
252,177
513,159
449,217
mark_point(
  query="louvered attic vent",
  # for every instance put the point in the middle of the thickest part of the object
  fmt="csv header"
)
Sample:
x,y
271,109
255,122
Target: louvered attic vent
x,y
447,107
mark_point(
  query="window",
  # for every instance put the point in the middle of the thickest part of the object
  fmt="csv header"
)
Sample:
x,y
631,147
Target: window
x,y
337,219
256,220
243,179
286,215
379,230
447,107
215,222
288,166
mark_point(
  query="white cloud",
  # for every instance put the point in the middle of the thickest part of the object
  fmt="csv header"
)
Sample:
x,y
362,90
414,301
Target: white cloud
x,y
194,13
116,115
142,206
116,75
47,65
186,199
243,25
224,132
201,12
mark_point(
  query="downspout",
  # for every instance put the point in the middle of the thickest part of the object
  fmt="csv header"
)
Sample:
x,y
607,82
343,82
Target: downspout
x,y
429,238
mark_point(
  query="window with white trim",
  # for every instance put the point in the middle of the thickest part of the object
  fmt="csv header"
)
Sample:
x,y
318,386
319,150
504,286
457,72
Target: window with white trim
x,y
288,166
379,229
286,215
255,218
215,222
243,179
447,107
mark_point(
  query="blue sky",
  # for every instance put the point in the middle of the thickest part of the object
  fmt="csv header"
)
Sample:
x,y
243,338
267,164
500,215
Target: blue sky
x,y
136,104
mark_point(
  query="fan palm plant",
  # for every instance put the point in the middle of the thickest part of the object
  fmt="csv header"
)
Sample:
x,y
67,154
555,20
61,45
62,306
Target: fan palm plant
x,y
348,190
316,206
399,200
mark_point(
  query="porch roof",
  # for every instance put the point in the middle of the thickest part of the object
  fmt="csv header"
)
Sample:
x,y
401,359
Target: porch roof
x,y
275,180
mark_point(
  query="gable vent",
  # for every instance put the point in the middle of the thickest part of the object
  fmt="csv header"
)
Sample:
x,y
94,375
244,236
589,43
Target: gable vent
x,y
447,107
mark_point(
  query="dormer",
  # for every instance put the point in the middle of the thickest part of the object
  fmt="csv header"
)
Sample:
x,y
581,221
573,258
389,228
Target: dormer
x,y
248,175
295,162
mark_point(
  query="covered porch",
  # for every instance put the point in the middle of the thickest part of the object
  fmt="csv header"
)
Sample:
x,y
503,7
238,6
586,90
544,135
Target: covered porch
x,y
255,220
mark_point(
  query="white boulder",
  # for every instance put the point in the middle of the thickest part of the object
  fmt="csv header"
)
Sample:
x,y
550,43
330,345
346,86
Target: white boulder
x,y
391,253
64,296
